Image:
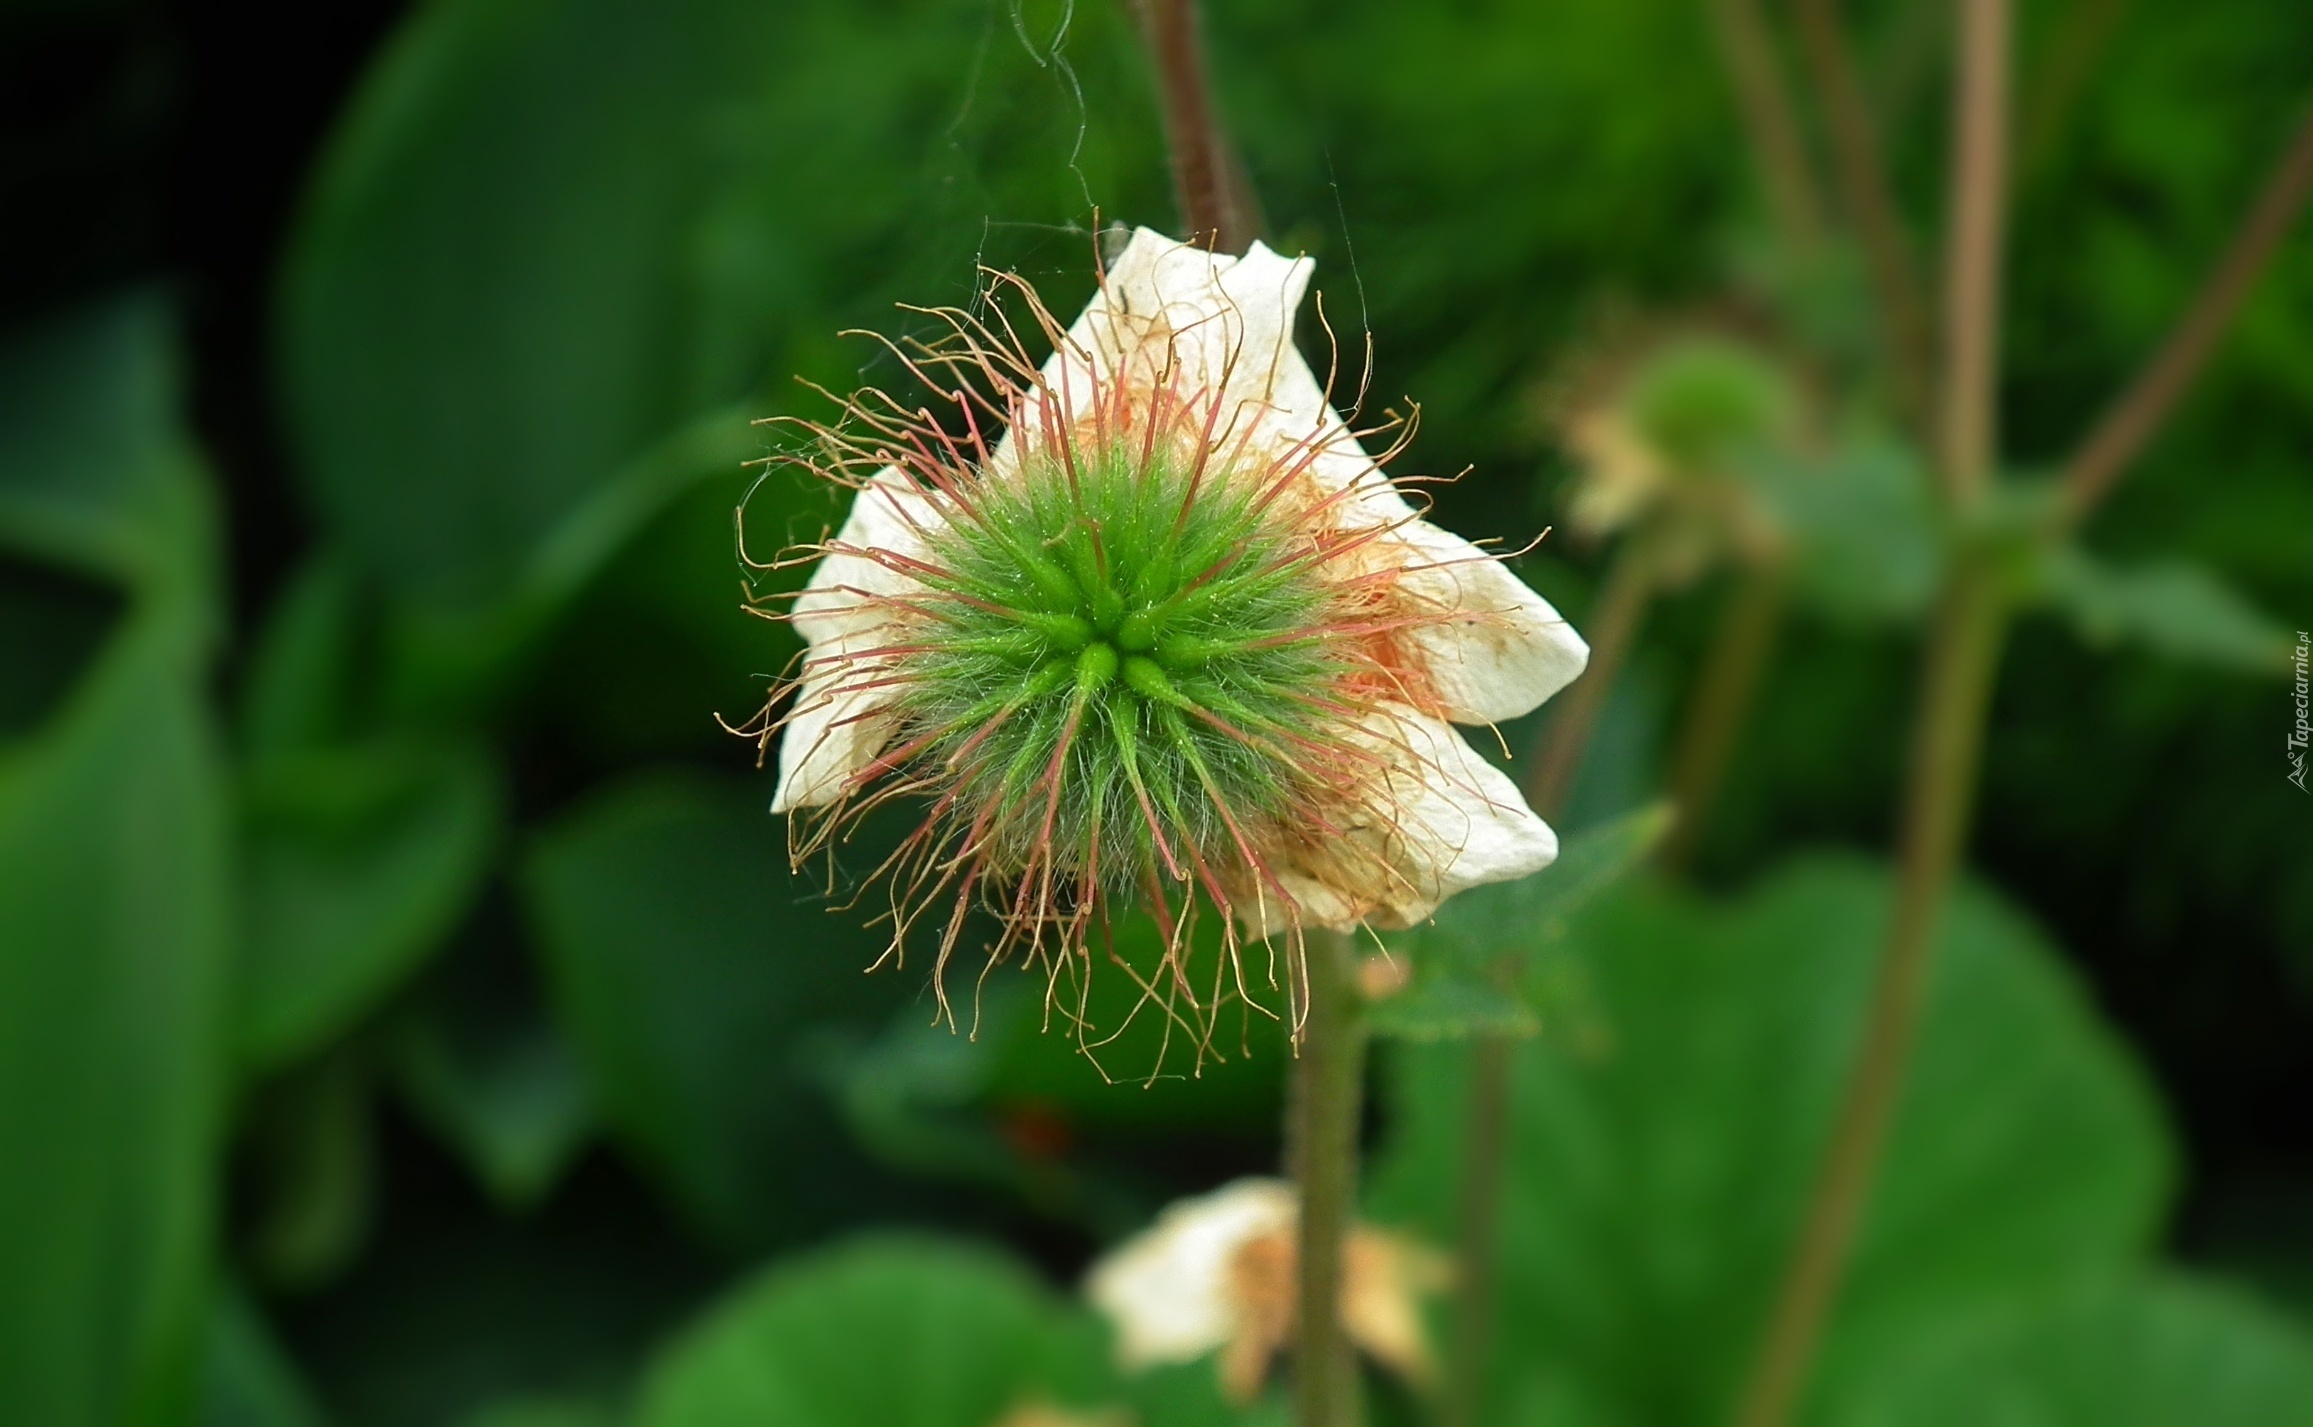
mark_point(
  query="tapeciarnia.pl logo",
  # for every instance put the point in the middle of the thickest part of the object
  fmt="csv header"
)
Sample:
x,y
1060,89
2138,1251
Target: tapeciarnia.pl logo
x,y
2302,733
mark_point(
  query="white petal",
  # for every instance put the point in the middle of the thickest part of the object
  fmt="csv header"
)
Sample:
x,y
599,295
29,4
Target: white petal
x,y
1438,820
889,514
1461,819
837,727
1169,1289
1510,651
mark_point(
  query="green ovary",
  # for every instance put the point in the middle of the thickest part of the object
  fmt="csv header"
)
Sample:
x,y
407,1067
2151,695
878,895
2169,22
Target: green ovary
x,y
1118,649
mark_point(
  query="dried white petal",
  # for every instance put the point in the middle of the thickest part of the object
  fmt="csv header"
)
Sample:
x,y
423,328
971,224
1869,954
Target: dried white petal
x,y
1170,1289
837,727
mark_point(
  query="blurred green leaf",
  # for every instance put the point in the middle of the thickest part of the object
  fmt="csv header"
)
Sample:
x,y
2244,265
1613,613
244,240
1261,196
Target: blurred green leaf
x,y
891,1332
1866,536
498,1082
702,985
1469,962
310,1158
53,622
2179,610
1656,1176
2161,1352
248,1381
115,896
300,691
546,236
542,1412
358,862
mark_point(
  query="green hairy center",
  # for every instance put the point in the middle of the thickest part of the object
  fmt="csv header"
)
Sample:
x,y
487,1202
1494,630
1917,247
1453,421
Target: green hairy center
x,y
1120,646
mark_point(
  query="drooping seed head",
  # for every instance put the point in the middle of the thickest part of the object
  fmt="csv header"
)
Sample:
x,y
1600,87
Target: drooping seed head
x,y
1151,646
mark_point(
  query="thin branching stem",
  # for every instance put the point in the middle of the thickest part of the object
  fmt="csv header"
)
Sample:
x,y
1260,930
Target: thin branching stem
x,y
1770,124
1968,434
1749,622
1864,191
2129,423
1956,687
1955,696
1614,624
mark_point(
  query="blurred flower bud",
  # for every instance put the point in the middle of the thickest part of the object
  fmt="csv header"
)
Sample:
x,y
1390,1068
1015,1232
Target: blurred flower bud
x,y
1218,1272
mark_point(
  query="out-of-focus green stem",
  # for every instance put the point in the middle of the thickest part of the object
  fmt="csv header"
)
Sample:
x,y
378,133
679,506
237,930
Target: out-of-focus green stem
x,y
1328,1088
1763,104
2140,410
1614,624
1963,654
1485,1152
1748,624
1869,200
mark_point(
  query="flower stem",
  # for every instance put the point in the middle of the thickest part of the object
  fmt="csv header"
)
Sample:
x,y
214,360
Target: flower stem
x,y
1328,1086
1485,1150
1962,656
1614,626
1748,625
1216,203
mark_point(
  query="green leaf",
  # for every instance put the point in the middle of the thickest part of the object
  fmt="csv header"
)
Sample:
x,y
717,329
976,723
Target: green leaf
x,y
2156,1352
2172,608
1468,964
702,984
114,899
248,1381
358,862
547,236
492,1075
1657,1171
892,1332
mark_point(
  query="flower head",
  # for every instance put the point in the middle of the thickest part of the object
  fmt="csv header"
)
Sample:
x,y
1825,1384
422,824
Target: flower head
x,y
1171,637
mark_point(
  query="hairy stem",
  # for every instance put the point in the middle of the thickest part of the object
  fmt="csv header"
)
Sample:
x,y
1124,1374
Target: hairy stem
x,y
2132,419
1328,1084
1485,1151
1614,625
1216,203
1769,124
1870,203
1748,625
1955,695
1963,654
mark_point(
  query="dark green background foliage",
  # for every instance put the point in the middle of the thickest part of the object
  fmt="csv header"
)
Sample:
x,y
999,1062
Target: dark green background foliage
x,y
407,1015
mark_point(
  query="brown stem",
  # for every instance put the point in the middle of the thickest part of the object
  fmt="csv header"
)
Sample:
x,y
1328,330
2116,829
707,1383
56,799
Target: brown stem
x,y
1614,624
1484,1156
1328,1083
1746,635
1972,250
1955,696
2131,420
1764,107
1208,184
1870,203
1963,654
